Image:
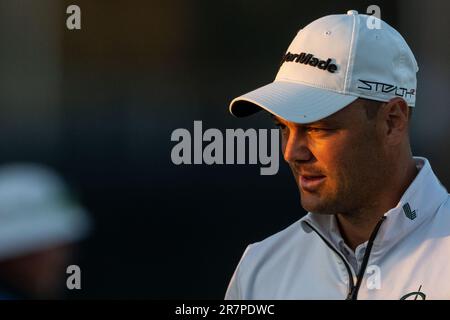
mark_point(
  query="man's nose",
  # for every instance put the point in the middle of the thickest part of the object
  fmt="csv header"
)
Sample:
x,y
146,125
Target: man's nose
x,y
296,147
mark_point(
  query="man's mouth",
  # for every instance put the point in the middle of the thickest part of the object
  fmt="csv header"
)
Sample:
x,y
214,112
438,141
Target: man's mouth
x,y
310,183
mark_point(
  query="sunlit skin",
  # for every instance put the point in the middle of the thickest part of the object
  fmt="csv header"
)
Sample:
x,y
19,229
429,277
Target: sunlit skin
x,y
366,164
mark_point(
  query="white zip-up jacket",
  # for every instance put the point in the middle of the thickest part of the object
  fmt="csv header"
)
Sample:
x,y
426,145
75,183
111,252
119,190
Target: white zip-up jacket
x,y
407,256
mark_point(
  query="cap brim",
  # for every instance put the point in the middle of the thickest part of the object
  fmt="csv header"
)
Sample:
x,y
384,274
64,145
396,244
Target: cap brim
x,y
294,102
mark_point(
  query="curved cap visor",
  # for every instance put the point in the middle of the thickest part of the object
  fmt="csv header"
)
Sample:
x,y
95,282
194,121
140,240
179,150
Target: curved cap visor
x,y
293,102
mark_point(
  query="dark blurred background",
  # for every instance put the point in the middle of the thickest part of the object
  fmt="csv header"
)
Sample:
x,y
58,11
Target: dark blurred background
x,y
99,105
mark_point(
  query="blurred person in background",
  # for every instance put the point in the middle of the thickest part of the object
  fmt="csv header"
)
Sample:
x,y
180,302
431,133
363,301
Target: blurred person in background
x,y
40,227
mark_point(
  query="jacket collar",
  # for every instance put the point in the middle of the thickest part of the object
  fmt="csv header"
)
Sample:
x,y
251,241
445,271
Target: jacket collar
x,y
418,204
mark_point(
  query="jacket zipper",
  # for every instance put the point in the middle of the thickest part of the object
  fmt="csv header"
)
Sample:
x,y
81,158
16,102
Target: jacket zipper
x,y
349,271
352,288
353,295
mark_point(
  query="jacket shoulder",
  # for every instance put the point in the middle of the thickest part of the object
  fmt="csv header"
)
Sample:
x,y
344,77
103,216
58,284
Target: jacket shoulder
x,y
271,251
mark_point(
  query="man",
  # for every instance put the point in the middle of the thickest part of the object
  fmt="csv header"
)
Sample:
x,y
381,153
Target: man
x,y
378,222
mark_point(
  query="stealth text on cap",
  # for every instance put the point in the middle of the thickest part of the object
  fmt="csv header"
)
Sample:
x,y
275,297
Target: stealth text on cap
x,y
309,59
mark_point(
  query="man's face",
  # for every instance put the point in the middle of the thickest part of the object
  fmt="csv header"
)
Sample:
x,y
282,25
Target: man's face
x,y
337,162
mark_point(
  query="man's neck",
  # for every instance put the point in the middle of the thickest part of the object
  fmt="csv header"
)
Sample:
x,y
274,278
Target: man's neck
x,y
357,227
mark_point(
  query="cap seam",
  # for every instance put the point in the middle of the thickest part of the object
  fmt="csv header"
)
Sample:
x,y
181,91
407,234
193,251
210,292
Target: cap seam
x,y
350,55
309,84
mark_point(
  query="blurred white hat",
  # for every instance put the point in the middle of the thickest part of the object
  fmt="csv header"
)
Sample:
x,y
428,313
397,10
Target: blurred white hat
x,y
37,211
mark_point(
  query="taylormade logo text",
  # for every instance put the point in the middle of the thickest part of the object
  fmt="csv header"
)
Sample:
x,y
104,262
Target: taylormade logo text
x,y
309,59
214,152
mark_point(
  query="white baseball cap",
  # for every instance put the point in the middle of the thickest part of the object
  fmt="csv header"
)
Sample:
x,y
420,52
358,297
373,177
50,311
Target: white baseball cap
x,y
36,211
332,62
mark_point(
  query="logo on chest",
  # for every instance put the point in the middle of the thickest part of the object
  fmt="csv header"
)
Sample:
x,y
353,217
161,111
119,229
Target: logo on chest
x,y
415,295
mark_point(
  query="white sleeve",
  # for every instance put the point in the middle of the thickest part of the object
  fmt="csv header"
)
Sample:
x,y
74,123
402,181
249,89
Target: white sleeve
x,y
234,290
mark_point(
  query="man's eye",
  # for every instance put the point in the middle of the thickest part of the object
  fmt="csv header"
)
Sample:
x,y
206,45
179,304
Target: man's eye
x,y
314,129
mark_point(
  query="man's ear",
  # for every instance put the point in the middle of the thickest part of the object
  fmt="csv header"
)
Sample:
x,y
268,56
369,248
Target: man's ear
x,y
394,120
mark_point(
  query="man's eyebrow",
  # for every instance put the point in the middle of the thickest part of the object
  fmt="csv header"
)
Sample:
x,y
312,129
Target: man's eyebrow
x,y
324,121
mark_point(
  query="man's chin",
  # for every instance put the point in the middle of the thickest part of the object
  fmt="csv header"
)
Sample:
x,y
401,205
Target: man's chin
x,y
313,203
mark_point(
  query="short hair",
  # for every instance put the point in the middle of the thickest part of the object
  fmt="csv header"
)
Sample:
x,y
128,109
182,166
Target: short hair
x,y
372,107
